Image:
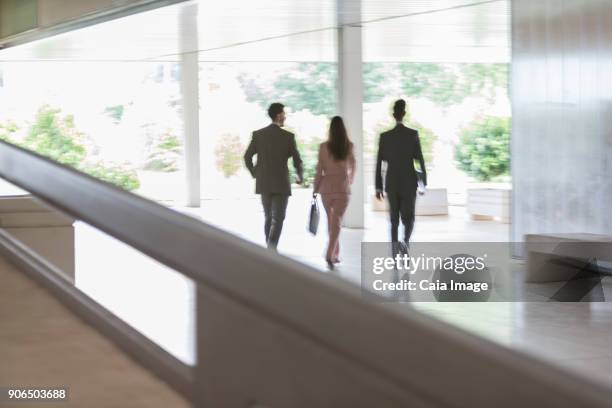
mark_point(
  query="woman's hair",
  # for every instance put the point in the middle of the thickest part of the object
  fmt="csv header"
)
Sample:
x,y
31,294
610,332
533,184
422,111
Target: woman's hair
x,y
338,142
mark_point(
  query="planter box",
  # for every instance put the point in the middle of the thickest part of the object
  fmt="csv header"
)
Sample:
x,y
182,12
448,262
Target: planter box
x,y
434,202
47,232
487,203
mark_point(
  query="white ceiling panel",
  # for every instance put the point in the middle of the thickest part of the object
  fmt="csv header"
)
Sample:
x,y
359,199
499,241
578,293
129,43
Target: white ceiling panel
x,y
287,30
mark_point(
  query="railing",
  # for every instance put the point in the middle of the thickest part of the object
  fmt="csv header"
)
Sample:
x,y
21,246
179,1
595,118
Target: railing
x,y
273,332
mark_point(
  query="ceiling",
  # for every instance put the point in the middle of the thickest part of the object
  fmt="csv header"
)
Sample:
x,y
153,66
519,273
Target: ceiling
x,y
288,30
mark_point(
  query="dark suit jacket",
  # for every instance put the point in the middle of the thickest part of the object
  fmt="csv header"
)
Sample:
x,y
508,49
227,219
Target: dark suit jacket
x,y
273,147
399,147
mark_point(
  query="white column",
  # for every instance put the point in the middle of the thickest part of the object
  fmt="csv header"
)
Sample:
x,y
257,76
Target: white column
x,y
190,96
350,98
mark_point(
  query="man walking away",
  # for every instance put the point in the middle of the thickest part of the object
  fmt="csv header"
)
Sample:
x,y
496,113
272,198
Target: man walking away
x,y
273,147
400,147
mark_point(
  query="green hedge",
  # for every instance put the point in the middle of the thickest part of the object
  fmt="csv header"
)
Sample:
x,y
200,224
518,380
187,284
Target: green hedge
x,y
56,137
483,149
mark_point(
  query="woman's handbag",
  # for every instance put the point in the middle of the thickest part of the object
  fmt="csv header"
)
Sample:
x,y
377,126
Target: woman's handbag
x,y
313,221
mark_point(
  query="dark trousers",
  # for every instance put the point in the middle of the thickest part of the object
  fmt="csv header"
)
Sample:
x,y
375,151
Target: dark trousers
x,y
401,205
275,207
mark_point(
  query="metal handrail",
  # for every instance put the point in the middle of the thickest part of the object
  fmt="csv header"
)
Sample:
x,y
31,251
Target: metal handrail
x,y
320,308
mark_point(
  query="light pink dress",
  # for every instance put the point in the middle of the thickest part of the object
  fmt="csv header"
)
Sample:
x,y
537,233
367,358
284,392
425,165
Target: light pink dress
x,y
334,177
333,181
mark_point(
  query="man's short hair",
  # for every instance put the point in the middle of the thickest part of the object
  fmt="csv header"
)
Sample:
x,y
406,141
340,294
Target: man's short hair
x,y
275,109
399,109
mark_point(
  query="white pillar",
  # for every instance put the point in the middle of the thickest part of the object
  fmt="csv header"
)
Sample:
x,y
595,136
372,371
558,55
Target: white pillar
x,y
350,99
190,95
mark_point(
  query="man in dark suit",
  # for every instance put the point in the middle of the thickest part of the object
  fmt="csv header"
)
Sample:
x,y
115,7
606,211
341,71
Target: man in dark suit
x,y
400,147
273,147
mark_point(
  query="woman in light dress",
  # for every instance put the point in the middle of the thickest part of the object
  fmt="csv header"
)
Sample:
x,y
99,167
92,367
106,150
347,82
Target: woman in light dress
x,y
335,174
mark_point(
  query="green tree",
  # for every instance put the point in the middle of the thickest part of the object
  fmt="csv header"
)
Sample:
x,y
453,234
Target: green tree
x,y
229,152
449,84
8,131
436,82
483,79
163,153
309,86
115,112
56,137
119,175
483,149
309,152
312,85
378,81
427,138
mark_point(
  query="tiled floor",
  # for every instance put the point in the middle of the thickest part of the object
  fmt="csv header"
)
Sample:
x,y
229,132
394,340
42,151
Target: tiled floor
x,y
159,302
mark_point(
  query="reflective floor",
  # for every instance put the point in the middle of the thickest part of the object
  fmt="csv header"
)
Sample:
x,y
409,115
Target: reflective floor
x,y
576,336
160,303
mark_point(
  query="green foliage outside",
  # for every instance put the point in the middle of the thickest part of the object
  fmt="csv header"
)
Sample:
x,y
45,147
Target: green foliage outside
x,y
484,79
310,86
115,113
56,137
376,82
435,82
163,153
309,152
8,130
427,138
443,84
447,85
115,174
483,149
229,152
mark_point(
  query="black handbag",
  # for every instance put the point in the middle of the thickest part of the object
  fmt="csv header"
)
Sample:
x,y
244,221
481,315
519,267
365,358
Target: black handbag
x,y
313,221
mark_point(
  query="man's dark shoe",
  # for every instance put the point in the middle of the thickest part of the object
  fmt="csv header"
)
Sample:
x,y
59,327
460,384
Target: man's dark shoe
x,y
396,249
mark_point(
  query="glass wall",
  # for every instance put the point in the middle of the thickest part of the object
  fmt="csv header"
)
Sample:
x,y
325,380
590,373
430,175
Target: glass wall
x,y
107,101
451,66
245,90
462,113
117,121
237,85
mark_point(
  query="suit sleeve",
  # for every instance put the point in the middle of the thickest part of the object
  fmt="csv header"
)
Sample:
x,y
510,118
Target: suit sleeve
x,y
420,158
379,159
319,173
297,160
248,156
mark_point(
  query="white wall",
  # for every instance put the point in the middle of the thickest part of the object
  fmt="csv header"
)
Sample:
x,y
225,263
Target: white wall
x,y
561,87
